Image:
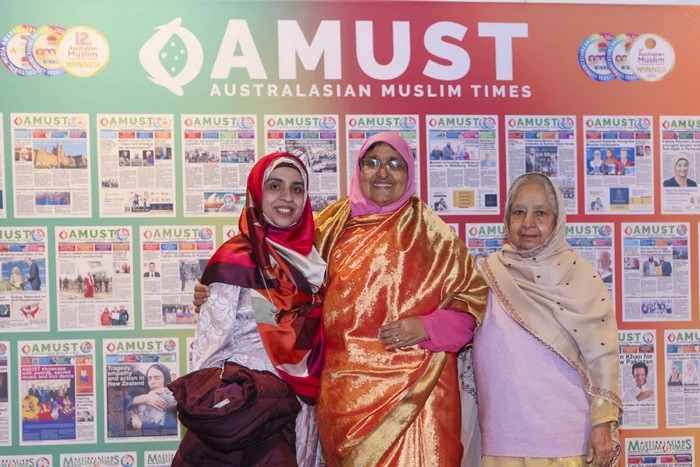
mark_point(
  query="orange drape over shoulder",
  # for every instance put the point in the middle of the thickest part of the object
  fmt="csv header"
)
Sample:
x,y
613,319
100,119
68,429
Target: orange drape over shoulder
x,y
379,407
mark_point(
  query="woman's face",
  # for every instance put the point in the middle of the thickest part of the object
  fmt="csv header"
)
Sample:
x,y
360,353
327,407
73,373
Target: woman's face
x,y
383,186
609,154
681,168
156,379
283,196
674,370
532,218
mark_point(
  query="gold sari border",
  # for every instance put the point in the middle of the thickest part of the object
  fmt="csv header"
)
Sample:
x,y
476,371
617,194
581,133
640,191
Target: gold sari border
x,y
383,436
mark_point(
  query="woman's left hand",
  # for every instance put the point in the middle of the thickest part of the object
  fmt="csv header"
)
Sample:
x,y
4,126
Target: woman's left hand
x,y
403,333
600,446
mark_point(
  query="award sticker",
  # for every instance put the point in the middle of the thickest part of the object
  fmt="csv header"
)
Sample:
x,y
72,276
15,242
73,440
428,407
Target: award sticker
x,y
41,50
651,57
83,52
13,48
616,56
591,56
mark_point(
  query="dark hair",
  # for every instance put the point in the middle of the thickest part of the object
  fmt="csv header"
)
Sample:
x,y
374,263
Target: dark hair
x,y
163,369
641,365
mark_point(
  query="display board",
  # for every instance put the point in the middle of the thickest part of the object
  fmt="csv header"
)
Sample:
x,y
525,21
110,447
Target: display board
x,y
127,131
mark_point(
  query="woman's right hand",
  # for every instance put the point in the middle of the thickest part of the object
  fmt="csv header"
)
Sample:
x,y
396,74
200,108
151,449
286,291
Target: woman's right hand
x,y
152,399
201,293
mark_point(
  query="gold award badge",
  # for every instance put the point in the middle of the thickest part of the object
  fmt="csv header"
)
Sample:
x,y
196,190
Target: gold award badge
x,y
83,52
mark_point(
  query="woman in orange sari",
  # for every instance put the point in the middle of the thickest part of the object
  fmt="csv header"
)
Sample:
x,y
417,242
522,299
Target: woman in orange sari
x,y
403,297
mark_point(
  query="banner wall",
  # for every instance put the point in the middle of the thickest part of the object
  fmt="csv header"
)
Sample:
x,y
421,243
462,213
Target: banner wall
x,y
128,129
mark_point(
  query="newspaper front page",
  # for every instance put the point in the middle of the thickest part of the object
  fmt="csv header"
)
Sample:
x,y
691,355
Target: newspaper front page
x,y
656,272
172,258
5,394
136,167
682,354
680,156
57,392
661,452
101,459
138,371
51,165
94,271
314,139
595,242
463,164
219,152
546,145
24,289
618,166
638,378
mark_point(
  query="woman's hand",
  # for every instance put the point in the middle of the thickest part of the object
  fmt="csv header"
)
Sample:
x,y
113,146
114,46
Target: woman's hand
x,y
402,333
600,446
201,293
152,399
136,422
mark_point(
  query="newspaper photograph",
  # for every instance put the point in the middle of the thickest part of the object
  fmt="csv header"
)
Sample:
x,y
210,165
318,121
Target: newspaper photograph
x,y
660,452
51,165
138,404
136,165
172,258
24,288
314,139
638,378
3,201
5,395
219,152
656,273
680,156
682,354
463,164
57,392
100,459
158,458
618,166
595,242
94,272
360,127
544,144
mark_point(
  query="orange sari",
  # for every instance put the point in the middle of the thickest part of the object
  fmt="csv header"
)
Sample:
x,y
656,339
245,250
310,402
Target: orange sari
x,y
380,407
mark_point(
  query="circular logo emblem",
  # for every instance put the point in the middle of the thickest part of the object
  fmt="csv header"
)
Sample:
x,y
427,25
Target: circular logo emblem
x,y
83,51
41,50
651,57
591,56
13,50
616,56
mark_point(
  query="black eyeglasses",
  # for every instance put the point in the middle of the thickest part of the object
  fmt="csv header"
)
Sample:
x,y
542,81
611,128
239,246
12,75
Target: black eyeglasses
x,y
372,164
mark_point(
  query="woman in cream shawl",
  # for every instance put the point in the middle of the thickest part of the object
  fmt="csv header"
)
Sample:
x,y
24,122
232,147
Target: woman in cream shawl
x,y
546,356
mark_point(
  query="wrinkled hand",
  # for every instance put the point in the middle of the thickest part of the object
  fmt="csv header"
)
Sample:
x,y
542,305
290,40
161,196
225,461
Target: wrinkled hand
x,y
402,333
201,293
600,446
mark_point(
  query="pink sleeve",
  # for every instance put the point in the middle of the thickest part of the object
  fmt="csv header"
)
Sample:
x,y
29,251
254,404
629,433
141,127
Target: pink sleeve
x,y
449,330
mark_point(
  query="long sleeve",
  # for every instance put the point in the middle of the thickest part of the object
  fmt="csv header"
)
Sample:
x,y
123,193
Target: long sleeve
x,y
449,330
